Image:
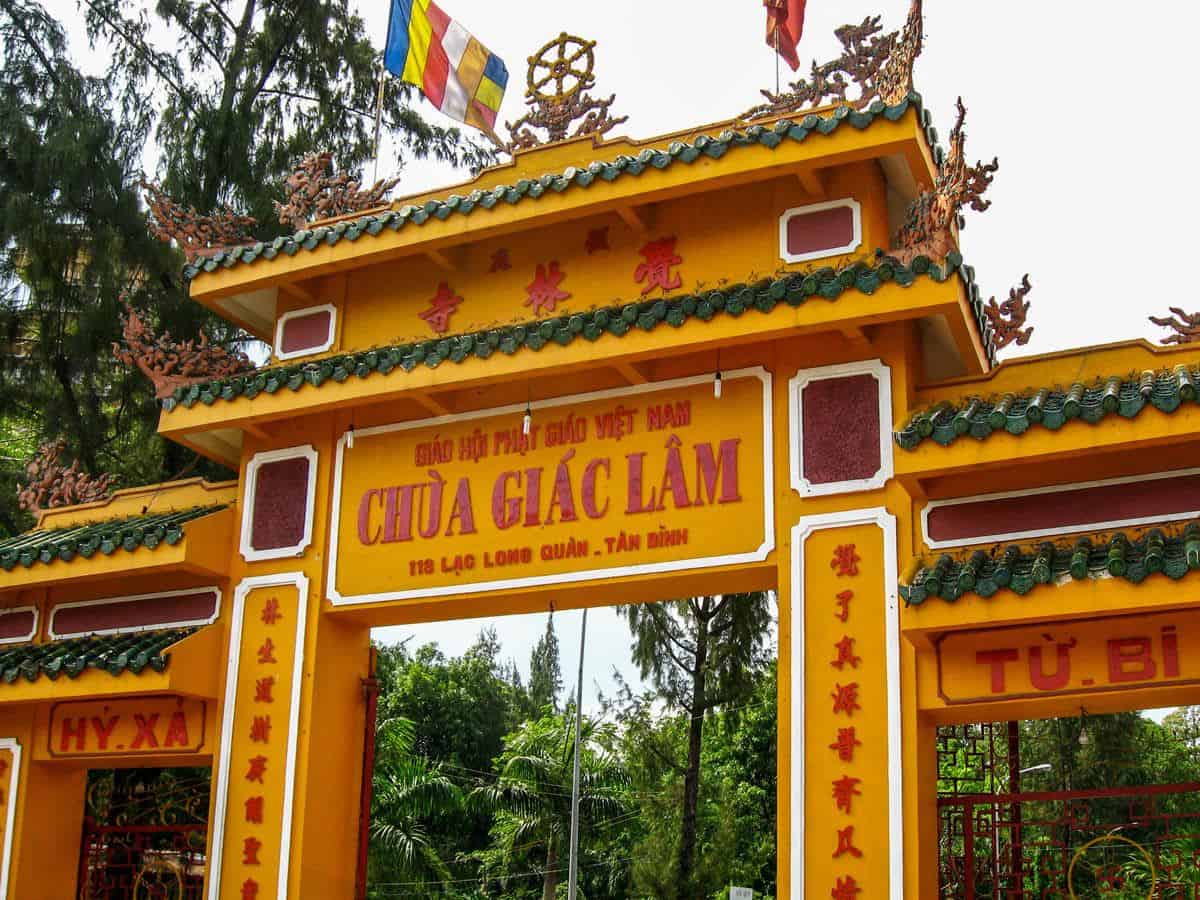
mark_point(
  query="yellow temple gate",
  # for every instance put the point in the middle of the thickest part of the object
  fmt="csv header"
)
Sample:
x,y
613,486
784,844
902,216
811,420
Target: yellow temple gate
x,y
746,356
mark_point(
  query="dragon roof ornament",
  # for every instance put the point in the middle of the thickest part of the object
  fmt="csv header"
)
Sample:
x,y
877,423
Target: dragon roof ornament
x,y
880,65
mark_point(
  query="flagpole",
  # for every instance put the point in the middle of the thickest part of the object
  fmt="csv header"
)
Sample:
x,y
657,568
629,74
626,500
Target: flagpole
x,y
378,122
777,58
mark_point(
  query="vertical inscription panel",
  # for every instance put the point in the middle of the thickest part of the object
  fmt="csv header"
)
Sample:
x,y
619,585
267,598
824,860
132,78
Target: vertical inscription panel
x,y
848,848
251,847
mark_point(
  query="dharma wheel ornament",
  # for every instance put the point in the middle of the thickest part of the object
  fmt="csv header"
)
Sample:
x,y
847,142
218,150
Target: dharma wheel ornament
x,y
559,76
880,65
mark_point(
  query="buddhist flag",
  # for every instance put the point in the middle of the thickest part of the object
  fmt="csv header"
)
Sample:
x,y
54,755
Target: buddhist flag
x,y
785,24
457,74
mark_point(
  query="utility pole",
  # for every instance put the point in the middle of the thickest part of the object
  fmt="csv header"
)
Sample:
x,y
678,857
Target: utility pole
x,y
573,868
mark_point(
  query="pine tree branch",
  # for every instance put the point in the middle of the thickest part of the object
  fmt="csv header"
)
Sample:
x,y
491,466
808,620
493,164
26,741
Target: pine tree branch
x,y
35,46
145,52
269,68
204,45
224,16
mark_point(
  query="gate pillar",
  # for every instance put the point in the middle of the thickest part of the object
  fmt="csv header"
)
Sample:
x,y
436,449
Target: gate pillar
x,y
41,815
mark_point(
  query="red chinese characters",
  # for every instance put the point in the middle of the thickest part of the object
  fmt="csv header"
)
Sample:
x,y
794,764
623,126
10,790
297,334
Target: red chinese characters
x,y
270,612
845,743
845,843
250,889
266,653
845,560
500,261
845,889
254,810
257,768
844,654
845,698
262,690
845,789
660,258
250,848
260,729
842,612
597,240
544,293
441,306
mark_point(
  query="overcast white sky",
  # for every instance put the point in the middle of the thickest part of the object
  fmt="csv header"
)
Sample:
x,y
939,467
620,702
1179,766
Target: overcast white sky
x,y
1087,105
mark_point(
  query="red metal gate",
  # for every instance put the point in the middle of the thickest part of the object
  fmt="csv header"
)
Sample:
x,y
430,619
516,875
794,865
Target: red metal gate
x,y
144,835
1124,842
142,862
1096,832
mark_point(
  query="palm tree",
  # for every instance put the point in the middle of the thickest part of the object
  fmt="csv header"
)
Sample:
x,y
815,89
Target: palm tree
x,y
531,798
409,791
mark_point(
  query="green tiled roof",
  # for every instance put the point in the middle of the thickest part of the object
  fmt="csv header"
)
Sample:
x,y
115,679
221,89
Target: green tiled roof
x,y
770,136
130,533
617,321
1052,408
114,654
1021,569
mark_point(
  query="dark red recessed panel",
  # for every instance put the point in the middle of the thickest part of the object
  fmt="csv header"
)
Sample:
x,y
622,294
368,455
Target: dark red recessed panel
x,y
306,332
825,229
1066,508
280,504
840,418
145,612
16,624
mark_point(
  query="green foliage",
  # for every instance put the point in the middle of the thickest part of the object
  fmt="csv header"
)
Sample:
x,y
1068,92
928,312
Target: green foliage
x,y
545,672
474,726
409,792
233,99
531,798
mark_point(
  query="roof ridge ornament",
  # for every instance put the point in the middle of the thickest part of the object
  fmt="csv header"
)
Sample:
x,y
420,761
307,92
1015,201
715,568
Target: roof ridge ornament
x,y
169,363
1185,325
881,65
932,218
1007,318
556,91
314,191
196,234
52,484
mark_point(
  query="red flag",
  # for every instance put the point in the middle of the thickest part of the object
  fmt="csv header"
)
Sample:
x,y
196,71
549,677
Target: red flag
x,y
785,24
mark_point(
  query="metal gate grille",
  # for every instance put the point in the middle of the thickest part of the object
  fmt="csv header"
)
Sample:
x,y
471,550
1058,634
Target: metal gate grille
x,y
144,835
1001,835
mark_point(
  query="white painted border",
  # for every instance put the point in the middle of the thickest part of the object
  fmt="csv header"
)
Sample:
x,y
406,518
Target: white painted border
x,y
297,313
131,629
886,522
856,241
22,639
307,451
221,805
883,376
768,544
1104,525
10,743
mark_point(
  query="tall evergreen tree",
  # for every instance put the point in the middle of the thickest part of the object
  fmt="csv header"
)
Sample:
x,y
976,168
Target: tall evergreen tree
x,y
545,671
234,98
700,654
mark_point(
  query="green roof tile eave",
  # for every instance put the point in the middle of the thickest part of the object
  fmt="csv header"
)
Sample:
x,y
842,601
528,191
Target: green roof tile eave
x,y
1167,390
1019,569
128,533
770,135
116,654
763,297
